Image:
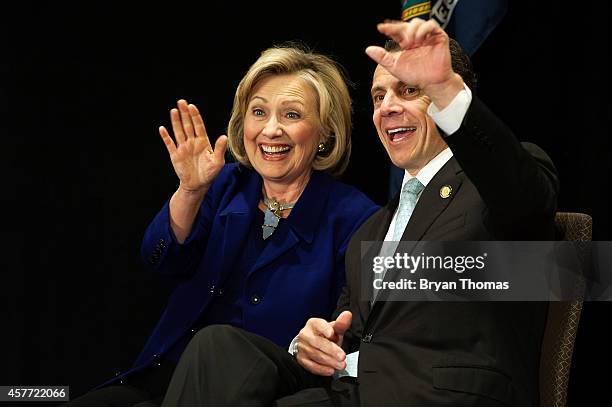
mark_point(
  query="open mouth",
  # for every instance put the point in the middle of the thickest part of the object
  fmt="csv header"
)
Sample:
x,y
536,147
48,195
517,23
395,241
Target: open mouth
x,y
400,133
274,151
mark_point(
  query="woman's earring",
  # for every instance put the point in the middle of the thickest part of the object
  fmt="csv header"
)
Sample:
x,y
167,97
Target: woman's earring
x,y
321,147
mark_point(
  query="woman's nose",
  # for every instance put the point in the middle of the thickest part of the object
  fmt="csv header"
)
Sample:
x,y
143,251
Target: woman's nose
x,y
272,128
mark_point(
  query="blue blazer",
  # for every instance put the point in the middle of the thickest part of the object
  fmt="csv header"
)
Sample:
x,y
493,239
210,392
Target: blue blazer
x,y
299,275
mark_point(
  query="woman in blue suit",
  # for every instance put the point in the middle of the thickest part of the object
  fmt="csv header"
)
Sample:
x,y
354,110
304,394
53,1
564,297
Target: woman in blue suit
x,y
258,244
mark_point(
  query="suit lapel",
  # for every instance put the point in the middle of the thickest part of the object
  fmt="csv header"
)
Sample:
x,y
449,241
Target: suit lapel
x,y
378,225
238,214
428,208
431,203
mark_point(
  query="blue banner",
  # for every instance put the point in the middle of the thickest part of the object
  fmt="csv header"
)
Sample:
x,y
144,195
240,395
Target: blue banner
x,y
467,21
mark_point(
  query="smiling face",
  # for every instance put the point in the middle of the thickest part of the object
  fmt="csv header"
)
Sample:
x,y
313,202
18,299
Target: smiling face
x,y
281,129
400,116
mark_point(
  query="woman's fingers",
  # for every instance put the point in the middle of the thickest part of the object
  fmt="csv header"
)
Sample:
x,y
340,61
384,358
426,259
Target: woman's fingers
x,y
177,126
188,123
185,118
198,123
220,147
167,140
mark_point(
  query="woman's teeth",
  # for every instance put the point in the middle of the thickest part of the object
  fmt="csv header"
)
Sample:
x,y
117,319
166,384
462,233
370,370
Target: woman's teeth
x,y
274,149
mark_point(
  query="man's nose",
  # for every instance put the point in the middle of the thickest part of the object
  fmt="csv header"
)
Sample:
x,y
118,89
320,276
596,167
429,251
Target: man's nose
x,y
390,105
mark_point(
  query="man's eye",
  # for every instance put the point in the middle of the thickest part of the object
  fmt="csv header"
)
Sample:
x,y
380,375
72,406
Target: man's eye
x,y
411,91
293,115
378,98
258,112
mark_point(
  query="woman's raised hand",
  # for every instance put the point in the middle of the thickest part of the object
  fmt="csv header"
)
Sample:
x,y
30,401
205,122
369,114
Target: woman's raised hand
x,y
195,162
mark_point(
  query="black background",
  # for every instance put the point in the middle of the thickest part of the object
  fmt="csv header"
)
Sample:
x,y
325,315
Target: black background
x,y
84,89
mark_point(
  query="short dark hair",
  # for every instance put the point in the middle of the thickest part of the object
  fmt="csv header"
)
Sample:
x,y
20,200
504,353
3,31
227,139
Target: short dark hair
x,y
459,59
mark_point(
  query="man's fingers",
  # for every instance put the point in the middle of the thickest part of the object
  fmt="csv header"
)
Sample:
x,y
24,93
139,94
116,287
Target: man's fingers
x,y
319,327
390,27
378,54
328,347
425,30
318,344
400,32
391,21
186,118
319,334
316,350
343,322
407,31
167,140
382,57
312,353
411,34
314,367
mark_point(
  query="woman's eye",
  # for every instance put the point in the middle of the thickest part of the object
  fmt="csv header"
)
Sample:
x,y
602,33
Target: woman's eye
x,y
258,112
293,115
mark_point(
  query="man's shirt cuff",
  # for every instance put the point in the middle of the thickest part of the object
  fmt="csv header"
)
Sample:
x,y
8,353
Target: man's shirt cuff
x,y
292,346
450,118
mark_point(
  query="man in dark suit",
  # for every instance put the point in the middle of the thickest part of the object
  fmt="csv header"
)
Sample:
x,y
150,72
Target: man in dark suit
x,y
480,183
467,178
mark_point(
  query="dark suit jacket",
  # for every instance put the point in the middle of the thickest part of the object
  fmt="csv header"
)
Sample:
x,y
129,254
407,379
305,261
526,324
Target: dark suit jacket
x,y
299,274
458,353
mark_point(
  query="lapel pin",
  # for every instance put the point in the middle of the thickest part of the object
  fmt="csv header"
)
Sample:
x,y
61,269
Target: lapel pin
x,y
445,191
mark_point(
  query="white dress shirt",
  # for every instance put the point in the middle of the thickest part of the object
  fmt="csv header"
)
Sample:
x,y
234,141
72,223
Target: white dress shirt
x,y
424,176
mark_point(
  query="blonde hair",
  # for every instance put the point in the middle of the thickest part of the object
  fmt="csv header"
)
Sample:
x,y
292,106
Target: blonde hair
x,y
332,98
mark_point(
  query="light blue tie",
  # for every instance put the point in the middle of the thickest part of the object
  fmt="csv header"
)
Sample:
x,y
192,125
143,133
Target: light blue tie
x,y
408,198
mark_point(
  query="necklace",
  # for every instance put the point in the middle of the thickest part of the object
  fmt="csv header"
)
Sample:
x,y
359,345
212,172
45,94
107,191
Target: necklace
x,y
272,215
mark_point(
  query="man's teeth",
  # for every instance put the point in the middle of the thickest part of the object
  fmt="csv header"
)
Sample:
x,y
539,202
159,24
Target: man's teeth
x,y
274,149
400,130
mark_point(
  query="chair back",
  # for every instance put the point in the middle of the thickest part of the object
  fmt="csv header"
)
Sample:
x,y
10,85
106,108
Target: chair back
x,y
563,318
